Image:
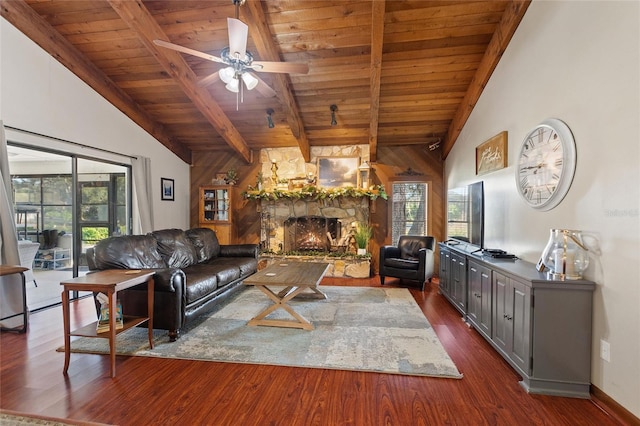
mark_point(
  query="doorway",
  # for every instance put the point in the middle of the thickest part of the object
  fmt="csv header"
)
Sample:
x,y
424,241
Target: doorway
x,y
64,204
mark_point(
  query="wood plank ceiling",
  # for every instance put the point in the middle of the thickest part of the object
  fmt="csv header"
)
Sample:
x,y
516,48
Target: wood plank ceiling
x,y
399,72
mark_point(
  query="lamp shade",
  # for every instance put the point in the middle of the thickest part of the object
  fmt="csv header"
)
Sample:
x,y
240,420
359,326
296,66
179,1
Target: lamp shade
x,y
227,74
249,80
233,85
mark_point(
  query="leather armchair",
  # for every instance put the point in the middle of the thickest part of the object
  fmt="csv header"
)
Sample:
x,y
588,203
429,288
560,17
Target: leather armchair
x,y
412,259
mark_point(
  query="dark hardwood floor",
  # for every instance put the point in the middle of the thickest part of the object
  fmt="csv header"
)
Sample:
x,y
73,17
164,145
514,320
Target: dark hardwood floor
x,y
149,391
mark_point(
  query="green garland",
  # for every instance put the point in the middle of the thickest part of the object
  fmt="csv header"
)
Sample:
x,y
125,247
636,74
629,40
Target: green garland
x,y
311,191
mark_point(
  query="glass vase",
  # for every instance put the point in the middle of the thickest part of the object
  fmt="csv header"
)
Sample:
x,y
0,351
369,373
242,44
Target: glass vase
x,y
565,255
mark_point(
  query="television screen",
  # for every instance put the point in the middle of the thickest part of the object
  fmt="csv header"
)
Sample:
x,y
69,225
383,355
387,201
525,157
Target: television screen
x,y
465,214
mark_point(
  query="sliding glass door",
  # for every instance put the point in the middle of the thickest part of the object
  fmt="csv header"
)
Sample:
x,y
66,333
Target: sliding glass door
x,y
65,204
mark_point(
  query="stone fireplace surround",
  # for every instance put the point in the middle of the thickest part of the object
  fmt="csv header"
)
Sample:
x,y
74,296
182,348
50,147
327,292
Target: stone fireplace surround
x,y
291,165
345,210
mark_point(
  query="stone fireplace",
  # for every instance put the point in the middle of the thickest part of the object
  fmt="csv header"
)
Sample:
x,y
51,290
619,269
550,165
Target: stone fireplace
x,y
311,233
306,224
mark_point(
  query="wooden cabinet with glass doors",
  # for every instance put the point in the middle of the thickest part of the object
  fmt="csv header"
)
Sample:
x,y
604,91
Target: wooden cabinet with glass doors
x,y
214,211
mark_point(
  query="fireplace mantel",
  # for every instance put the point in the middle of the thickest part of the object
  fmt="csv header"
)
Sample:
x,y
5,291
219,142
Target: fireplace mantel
x,y
313,192
348,205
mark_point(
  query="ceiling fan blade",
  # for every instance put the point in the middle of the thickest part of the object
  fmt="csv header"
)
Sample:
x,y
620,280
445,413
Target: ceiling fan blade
x,y
281,67
188,51
238,33
210,79
263,88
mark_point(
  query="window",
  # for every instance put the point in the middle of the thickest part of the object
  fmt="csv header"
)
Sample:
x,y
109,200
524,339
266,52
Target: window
x,y
408,209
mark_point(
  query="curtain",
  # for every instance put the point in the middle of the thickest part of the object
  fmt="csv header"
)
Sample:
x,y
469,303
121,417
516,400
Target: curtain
x,y
142,195
11,296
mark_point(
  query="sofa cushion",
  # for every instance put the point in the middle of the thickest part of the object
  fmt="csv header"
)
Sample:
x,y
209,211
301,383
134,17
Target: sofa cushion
x,y
246,265
205,242
200,282
402,263
175,248
409,248
128,252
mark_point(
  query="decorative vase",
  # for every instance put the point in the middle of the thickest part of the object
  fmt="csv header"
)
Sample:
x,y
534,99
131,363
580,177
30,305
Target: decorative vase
x,y
362,251
565,255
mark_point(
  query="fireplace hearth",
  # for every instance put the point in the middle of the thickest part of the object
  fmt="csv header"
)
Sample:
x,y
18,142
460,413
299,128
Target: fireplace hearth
x,y
311,233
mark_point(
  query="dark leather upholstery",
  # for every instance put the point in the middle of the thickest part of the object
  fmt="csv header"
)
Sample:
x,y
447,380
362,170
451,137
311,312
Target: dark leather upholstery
x,y
413,259
193,272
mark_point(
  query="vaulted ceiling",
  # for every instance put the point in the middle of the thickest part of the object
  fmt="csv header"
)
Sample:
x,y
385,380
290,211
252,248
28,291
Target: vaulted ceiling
x,y
399,72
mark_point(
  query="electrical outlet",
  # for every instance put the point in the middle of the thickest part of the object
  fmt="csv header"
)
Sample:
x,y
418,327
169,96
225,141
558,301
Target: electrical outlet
x,y
605,350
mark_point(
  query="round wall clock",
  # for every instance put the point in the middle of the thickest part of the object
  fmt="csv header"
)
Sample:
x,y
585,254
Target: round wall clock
x,y
546,164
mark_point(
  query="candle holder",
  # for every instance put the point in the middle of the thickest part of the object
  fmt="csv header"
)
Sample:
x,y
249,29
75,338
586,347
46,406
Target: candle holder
x,y
565,255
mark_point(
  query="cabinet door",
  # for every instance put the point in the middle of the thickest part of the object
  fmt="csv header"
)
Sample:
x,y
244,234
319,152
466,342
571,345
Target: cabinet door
x,y
521,323
479,298
512,320
458,283
444,270
486,288
474,297
215,205
502,329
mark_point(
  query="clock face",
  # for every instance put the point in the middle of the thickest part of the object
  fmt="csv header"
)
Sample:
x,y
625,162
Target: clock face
x,y
546,165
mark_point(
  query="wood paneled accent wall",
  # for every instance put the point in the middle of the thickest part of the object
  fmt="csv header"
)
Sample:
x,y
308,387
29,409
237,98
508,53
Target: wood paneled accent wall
x,y
391,164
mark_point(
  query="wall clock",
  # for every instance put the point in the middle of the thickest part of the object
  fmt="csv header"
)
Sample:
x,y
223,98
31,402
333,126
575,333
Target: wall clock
x,y
546,164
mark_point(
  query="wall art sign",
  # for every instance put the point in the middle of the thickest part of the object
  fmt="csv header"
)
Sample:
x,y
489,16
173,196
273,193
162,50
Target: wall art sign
x,y
492,154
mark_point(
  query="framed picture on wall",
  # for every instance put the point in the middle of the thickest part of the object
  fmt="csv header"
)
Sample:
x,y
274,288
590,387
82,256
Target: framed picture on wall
x,y
335,172
491,155
167,186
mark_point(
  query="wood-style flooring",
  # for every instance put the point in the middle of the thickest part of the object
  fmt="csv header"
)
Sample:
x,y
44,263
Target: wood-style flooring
x,y
149,391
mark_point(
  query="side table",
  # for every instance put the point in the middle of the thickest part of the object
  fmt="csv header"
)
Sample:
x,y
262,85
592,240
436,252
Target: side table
x,y
108,282
10,270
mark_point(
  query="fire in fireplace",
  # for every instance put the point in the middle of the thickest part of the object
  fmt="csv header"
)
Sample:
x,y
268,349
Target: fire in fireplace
x,y
310,233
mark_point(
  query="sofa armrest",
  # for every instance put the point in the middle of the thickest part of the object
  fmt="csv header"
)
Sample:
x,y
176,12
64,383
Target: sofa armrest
x,y
388,252
169,280
239,250
427,260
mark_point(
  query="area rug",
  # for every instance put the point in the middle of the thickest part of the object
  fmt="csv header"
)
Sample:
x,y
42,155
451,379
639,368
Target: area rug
x,y
14,418
356,328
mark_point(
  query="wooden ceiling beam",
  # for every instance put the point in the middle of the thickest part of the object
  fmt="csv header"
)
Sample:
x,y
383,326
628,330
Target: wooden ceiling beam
x,y
25,19
138,18
267,51
511,18
377,39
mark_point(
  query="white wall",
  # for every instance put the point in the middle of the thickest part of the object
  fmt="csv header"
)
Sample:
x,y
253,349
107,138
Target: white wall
x,y
577,61
38,94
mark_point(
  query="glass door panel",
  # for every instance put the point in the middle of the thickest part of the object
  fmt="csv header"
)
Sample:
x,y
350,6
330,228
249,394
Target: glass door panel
x,y
64,204
43,203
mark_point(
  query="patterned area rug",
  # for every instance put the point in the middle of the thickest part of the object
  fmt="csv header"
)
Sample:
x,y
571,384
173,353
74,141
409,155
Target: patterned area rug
x,y
14,418
356,328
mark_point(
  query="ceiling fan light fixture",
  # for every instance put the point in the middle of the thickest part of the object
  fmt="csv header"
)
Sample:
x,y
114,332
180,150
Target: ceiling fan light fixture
x,y
227,74
249,80
233,85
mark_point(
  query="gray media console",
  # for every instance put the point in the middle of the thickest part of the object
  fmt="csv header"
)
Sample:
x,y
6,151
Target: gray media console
x,y
541,327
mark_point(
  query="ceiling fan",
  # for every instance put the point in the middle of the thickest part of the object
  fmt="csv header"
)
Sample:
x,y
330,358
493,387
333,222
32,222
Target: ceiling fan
x,y
239,62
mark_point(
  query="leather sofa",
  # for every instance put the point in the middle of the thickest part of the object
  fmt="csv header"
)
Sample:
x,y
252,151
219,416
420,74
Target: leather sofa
x,y
412,259
193,272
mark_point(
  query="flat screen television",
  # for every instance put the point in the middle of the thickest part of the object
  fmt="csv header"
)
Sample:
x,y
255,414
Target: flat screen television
x,y
465,214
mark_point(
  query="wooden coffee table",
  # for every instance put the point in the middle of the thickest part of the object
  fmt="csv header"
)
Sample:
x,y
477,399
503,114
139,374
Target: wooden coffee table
x,y
296,277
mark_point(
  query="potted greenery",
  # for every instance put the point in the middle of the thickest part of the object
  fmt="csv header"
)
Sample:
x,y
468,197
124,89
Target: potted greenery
x,y
362,235
231,178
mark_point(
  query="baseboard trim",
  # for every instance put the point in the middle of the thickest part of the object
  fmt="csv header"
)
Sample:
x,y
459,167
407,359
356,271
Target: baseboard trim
x,y
612,408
